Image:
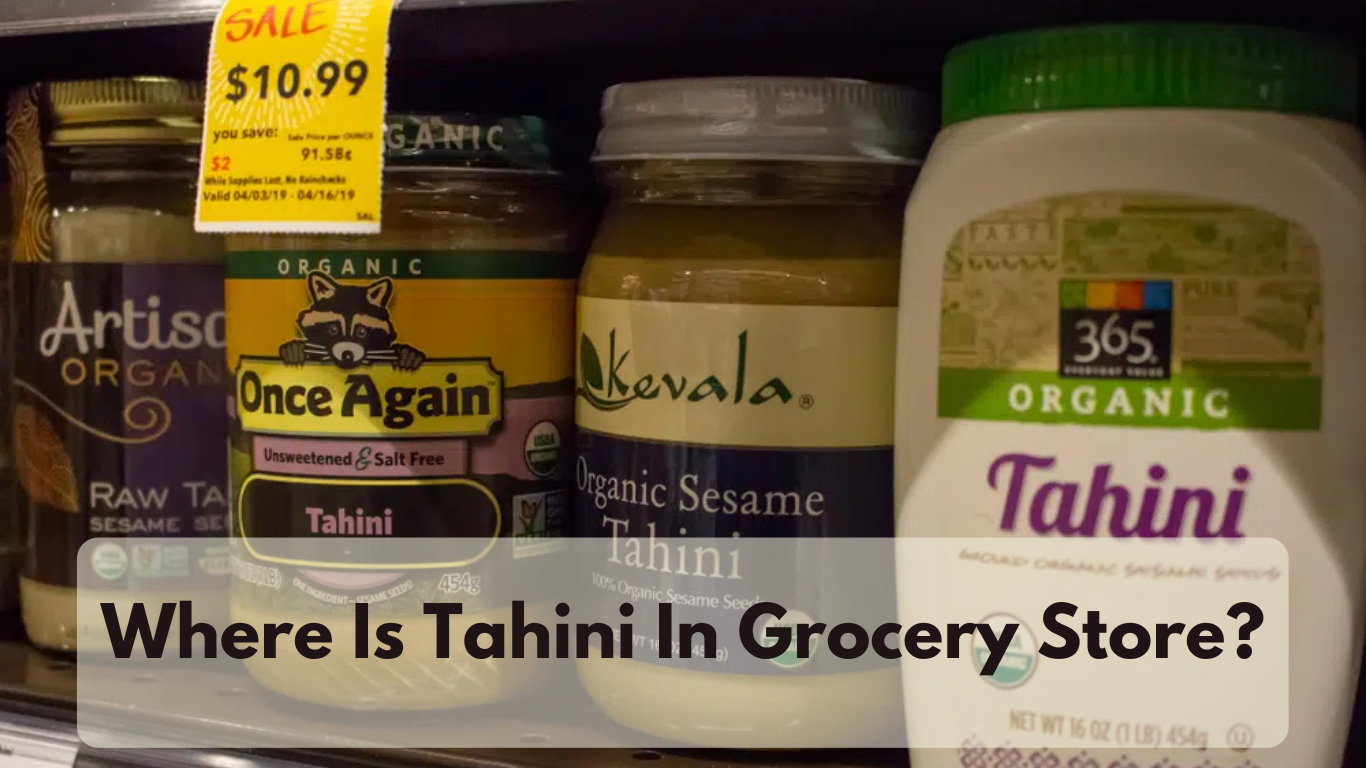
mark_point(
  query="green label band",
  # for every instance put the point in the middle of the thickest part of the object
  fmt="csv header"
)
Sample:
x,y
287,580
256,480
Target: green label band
x,y
404,265
1207,401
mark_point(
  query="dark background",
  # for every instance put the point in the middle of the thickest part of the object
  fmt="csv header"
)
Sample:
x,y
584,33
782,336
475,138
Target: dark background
x,y
555,58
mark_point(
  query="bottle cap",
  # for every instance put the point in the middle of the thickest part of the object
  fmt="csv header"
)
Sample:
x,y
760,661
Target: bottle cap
x,y
763,118
1193,66
125,110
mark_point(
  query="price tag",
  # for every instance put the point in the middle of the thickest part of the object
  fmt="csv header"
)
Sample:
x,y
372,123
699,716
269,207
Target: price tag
x,y
293,118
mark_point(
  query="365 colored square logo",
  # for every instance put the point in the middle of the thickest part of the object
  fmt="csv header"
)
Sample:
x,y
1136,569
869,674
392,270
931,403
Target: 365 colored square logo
x,y
1115,329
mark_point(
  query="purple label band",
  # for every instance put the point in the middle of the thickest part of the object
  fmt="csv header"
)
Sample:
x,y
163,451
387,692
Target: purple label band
x,y
360,458
506,453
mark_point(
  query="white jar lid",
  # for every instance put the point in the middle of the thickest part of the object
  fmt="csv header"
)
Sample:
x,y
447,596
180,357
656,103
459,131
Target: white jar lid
x,y
765,118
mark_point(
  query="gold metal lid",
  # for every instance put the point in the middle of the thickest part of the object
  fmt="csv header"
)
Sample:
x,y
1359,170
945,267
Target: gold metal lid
x,y
125,110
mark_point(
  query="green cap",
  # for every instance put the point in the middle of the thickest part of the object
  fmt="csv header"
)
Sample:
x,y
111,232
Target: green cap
x,y
1191,66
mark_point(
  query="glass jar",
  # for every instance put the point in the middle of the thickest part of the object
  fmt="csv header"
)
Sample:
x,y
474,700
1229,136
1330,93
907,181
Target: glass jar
x,y
783,233
471,280
11,522
758,221
117,321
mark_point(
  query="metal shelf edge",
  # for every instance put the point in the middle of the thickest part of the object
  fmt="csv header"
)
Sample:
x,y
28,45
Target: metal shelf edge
x,y
41,17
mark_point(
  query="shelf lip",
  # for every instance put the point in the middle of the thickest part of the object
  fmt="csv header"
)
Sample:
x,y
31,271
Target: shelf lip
x,y
19,18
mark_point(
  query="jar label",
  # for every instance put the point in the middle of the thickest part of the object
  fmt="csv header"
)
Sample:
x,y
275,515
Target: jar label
x,y
729,422
398,394
11,533
1131,366
1133,310
118,424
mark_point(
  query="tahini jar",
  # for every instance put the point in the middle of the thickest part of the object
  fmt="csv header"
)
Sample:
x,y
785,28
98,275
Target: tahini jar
x,y
754,220
11,518
468,293
117,412
1134,261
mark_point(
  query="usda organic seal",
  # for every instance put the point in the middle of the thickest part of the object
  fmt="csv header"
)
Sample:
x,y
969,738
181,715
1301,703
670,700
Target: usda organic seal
x,y
109,561
789,659
1019,660
543,449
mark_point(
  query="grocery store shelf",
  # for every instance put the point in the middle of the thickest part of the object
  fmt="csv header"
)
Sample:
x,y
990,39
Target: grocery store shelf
x,y
35,17
37,701
232,710
568,50
647,23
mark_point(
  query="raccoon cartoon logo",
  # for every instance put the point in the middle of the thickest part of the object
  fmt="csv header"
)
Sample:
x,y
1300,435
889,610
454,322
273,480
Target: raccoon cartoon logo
x,y
349,325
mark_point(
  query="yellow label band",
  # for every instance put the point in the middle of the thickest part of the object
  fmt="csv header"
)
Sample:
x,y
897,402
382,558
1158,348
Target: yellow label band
x,y
524,325
294,103
452,398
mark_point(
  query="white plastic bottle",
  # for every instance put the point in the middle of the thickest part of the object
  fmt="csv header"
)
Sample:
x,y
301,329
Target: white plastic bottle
x,y
1202,186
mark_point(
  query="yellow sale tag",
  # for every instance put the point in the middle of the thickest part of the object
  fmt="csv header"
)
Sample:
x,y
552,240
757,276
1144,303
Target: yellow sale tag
x,y
294,115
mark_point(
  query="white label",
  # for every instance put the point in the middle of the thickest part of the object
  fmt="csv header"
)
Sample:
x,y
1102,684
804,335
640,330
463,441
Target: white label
x,y
1205,597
